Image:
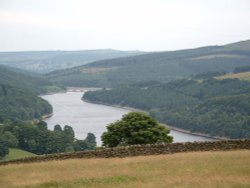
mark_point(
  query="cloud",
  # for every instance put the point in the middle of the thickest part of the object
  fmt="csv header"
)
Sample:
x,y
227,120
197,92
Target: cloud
x,y
123,24
34,19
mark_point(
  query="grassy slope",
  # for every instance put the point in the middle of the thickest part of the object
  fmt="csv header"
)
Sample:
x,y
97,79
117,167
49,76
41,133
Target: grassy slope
x,y
241,76
15,153
212,169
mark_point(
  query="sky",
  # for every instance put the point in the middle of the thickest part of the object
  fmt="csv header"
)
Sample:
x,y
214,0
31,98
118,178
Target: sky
x,y
147,25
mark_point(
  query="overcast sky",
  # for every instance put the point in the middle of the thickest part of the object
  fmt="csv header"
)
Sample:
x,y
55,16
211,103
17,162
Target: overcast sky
x,y
149,25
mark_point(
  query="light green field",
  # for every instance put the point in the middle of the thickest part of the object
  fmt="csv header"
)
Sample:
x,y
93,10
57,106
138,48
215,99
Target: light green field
x,y
17,153
197,169
241,76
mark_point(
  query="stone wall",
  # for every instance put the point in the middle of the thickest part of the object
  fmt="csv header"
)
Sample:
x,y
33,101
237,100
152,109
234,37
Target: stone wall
x,y
141,150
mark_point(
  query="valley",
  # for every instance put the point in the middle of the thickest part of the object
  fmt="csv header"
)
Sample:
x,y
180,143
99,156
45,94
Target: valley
x,y
120,94
69,109
202,91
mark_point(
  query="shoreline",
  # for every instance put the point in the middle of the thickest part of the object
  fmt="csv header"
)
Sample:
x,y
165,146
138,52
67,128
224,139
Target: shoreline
x,y
194,134
46,116
116,106
168,126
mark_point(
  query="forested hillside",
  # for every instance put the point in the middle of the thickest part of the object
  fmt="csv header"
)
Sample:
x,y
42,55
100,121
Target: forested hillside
x,y
47,61
160,66
20,105
17,103
25,80
18,95
215,107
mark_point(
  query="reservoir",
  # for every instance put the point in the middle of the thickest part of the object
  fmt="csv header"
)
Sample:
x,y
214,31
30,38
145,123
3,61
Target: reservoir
x,y
83,117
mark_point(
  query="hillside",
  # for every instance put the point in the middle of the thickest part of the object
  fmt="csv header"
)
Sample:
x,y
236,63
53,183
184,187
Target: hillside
x,y
25,80
196,169
17,103
159,66
215,107
47,61
18,98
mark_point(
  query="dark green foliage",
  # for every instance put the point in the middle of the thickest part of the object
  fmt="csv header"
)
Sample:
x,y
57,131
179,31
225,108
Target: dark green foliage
x,y
36,138
68,133
242,69
18,98
91,140
215,107
209,75
4,148
17,103
58,128
10,139
88,144
135,128
81,145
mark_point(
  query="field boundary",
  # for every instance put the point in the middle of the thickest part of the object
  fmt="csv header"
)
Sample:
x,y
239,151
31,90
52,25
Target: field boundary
x,y
140,150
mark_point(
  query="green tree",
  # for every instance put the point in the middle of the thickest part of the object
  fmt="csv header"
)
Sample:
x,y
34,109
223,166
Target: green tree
x,y
81,145
58,128
69,135
10,139
91,140
135,128
42,125
69,148
4,148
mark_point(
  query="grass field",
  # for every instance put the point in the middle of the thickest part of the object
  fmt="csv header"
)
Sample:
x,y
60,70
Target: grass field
x,y
241,76
17,153
197,169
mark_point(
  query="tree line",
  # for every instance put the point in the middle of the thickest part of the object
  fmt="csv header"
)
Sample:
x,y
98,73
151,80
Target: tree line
x,y
215,107
38,139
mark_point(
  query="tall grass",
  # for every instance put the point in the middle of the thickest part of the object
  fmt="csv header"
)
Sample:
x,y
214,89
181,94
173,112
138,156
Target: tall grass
x,y
197,169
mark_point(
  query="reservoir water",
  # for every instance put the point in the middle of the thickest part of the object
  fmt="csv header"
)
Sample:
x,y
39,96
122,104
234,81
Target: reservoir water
x,y
69,109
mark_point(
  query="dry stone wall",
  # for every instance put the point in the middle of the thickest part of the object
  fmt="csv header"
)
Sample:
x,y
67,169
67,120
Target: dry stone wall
x,y
141,150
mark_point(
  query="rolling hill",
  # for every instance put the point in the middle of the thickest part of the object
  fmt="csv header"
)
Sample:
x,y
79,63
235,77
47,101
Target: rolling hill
x,y
47,61
159,66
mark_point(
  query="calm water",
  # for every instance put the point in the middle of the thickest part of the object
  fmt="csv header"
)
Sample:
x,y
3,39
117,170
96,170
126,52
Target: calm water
x,y
69,109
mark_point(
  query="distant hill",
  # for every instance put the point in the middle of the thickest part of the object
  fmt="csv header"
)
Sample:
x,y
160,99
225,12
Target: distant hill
x,y
159,66
47,61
